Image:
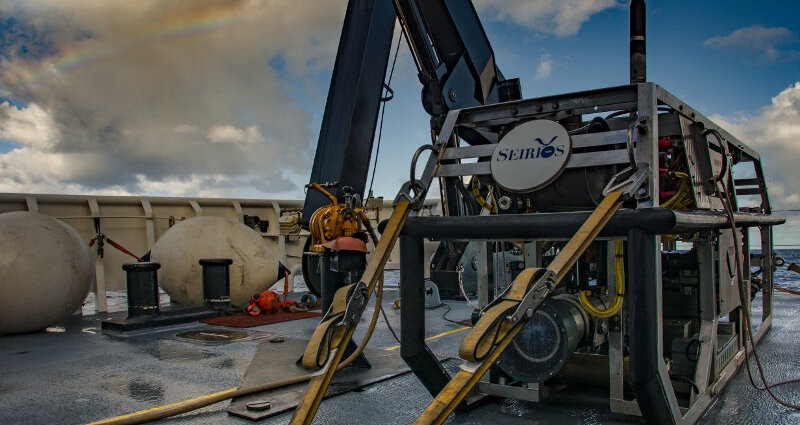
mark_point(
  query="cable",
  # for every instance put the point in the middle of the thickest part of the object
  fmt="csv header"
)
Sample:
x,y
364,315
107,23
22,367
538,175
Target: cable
x,y
617,114
727,205
447,310
389,325
384,100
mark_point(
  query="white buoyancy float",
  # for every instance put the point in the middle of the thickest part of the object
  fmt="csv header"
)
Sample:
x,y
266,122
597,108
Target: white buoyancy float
x,y
179,251
46,268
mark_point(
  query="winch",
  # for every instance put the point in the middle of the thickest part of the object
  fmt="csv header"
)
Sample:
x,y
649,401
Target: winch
x,y
547,341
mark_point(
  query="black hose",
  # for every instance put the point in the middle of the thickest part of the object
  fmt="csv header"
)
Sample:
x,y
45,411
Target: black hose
x,y
727,204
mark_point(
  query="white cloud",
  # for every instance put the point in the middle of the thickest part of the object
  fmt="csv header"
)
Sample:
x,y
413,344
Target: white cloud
x,y
213,185
545,67
158,92
774,132
30,170
561,18
30,126
756,39
231,134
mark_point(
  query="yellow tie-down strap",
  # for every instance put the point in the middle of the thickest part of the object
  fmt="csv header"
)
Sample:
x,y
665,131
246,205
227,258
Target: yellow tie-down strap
x,y
493,332
493,325
327,335
326,348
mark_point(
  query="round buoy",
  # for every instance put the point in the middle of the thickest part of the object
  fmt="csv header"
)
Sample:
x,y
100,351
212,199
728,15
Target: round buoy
x,y
254,268
46,270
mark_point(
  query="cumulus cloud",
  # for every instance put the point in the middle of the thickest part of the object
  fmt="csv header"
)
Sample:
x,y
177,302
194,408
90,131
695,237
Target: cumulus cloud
x,y
560,18
231,134
126,97
757,39
30,126
545,67
774,132
216,185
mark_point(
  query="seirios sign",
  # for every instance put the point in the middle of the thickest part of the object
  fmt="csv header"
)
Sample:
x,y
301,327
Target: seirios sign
x,y
531,155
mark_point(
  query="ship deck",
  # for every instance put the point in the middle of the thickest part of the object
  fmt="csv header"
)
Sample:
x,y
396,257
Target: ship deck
x,y
75,374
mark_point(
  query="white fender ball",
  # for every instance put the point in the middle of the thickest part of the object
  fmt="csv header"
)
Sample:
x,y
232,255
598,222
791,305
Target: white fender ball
x,y
46,270
181,248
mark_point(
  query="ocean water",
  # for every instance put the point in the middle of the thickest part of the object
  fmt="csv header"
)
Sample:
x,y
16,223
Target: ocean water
x,y
783,276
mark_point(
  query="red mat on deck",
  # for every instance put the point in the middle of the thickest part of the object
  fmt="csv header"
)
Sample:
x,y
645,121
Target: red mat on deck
x,y
248,321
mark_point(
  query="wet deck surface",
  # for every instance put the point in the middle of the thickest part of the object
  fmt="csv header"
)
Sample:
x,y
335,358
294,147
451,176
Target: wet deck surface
x,y
74,374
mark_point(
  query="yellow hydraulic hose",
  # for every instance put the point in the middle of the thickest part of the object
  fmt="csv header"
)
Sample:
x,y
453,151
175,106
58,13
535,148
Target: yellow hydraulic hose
x,y
481,200
619,272
683,196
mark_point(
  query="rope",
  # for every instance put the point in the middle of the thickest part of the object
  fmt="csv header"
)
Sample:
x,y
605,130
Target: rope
x,y
103,238
123,249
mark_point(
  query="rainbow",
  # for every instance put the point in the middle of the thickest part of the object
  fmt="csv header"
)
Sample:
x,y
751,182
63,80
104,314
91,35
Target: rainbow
x,y
90,51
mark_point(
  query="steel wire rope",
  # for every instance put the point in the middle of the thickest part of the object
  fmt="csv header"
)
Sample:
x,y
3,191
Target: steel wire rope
x,y
385,100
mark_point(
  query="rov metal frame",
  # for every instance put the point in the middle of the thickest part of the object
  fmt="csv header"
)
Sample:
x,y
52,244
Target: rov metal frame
x,y
642,227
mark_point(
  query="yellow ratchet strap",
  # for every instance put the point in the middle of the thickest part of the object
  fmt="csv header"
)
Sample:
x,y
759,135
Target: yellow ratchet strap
x,y
327,344
493,326
327,335
494,332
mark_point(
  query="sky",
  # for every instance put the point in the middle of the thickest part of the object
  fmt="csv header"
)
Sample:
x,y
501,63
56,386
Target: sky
x,y
225,98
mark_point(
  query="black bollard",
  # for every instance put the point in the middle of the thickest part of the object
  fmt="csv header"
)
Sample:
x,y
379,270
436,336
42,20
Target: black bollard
x,y
142,288
216,282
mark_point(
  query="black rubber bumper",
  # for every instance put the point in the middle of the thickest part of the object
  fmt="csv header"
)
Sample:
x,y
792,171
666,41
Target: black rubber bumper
x,y
657,221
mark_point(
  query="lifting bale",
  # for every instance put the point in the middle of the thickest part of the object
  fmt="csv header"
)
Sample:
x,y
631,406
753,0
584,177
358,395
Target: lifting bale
x,y
46,268
254,269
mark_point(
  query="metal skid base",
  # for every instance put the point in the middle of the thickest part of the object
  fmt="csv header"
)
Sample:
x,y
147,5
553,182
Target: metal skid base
x,y
654,394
